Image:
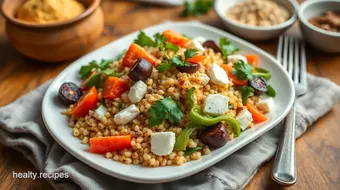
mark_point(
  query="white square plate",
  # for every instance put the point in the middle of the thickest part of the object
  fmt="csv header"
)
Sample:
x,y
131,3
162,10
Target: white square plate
x,y
57,123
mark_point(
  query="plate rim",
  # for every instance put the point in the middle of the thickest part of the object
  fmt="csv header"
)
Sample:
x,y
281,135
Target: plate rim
x,y
159,179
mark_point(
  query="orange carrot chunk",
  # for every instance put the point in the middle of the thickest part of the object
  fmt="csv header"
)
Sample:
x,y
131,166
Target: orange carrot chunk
x,y
108,144
196,59
175,38
256,114
86,103
134,52
114,87
253,60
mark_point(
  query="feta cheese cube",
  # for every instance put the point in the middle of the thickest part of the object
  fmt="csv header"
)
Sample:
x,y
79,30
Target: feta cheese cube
x,y
244,118
200,39
162,143
216,104
137,92
266,104
194,44
100,111
126,115
217,75
204,78
236,58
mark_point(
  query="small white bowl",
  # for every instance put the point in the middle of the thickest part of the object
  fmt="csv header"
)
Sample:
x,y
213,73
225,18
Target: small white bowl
x,y
319,38
255,32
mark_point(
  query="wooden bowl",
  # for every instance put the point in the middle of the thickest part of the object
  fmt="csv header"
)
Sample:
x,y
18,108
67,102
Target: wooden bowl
x,y
54,42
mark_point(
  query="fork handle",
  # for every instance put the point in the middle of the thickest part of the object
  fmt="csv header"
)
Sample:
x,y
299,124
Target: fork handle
x,y
284,170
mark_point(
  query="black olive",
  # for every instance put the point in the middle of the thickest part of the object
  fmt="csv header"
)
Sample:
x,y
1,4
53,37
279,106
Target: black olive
x,y
259,84
214,136
211,44
69,93
140,70
193,68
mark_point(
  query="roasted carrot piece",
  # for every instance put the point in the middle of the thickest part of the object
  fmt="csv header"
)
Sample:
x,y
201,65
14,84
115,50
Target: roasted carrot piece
x,y
114,88
196,59
175,38
134,52
232,77
109,144
256,114
253,60
86,103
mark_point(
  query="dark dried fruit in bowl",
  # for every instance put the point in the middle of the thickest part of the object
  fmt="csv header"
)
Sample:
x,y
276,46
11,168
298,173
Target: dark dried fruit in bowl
x,y
69,93
193,68
211,44
214,136
140,70
259,84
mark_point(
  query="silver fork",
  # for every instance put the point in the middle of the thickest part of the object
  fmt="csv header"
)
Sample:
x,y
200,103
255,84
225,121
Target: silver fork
x,y
291,54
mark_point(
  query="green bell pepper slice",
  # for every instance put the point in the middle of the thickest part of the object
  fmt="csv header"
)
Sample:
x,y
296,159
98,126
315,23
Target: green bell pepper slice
x,y
200,119
183,138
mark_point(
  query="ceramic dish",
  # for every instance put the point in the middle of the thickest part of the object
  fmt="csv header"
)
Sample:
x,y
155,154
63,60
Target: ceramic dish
x,y
319,38
57,123
255,32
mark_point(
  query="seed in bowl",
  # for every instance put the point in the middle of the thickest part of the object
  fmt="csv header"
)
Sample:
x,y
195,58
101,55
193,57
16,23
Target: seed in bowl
x,y
175,100
258,13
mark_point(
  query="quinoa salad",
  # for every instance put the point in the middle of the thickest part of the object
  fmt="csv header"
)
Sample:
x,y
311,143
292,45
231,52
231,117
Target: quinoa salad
x,y
167,99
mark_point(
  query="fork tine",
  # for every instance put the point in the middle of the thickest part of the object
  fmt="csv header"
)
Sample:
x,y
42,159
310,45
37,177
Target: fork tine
x,y
291,56
296,62
303,75
279,50
285,53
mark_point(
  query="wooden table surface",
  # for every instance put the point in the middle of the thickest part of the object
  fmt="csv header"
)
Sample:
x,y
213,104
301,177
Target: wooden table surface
x,y
317,152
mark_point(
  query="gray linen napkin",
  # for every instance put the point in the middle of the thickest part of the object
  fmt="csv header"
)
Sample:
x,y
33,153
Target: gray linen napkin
x,y
22,128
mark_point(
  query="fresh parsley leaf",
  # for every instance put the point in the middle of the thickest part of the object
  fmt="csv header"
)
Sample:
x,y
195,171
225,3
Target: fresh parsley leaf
x,y
164,66
105,63
191,97
165,108
190,53
226,47
144,40
246,92
85,70
95,80
262,73
197,7
159,39
271,92
177,61
189,151
111,73
230,106
242,70
171,46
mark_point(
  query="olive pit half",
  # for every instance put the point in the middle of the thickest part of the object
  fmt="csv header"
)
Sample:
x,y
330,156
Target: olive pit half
x,y
69,93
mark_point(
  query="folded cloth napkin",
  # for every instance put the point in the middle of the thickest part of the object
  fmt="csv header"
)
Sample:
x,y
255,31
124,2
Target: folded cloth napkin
x,y
22,128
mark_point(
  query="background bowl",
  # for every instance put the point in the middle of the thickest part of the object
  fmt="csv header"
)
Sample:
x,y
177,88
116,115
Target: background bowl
x,y
57,41
255,32
319,38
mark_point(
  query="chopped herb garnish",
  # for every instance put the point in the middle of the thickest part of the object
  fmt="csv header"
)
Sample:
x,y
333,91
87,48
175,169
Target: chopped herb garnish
x,y
246,92
144,40
197,7
95,80
189,151
111,73
165,108
171,46
104,64
230,106
85,70
271,92
191,96
227,48
243,71
177,61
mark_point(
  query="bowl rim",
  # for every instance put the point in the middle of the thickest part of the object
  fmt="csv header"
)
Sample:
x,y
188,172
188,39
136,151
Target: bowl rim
x,y
88,11
285,24
305,5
